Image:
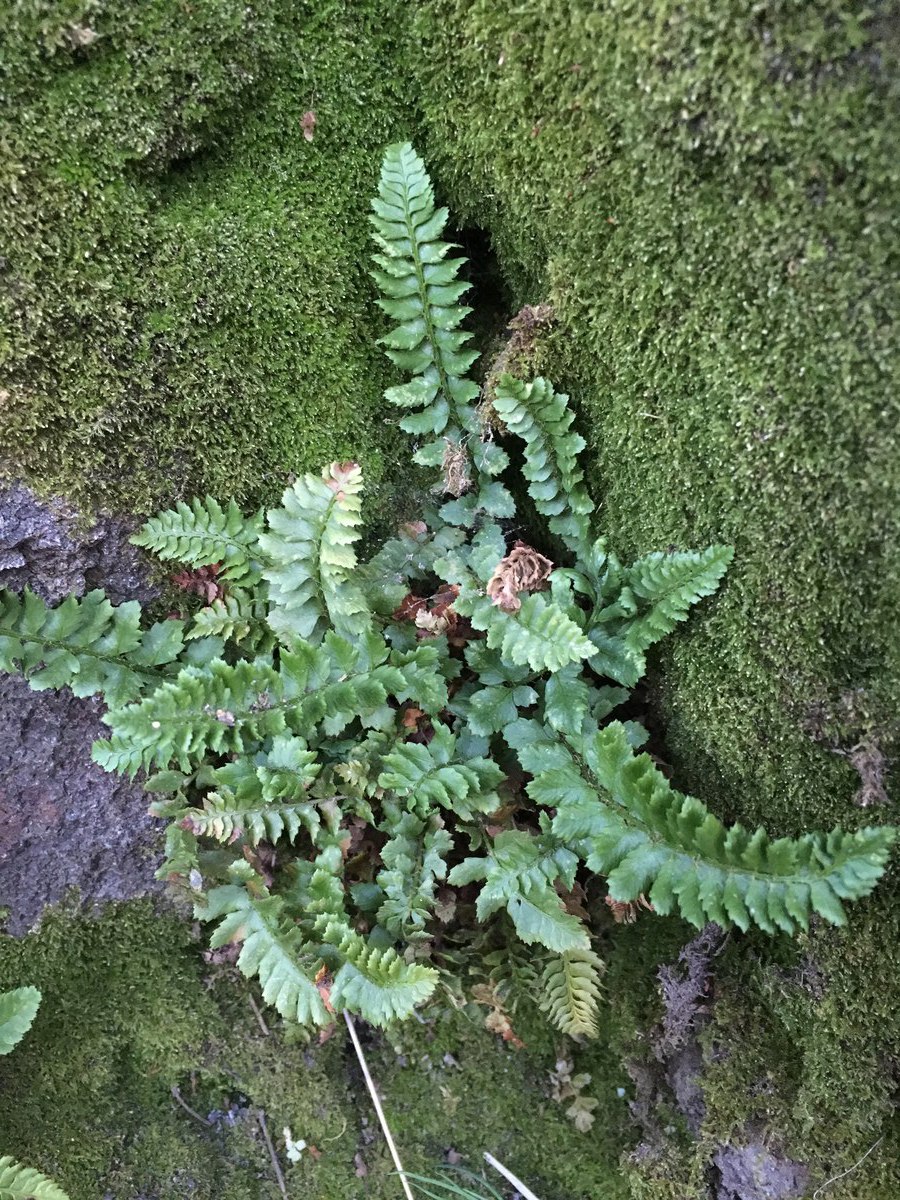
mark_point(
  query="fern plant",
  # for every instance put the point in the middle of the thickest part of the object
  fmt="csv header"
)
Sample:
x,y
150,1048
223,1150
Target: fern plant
x,y
18,1009
344,749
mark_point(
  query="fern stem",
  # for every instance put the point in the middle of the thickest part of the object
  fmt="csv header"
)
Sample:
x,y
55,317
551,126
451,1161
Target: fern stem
x,y
370,1084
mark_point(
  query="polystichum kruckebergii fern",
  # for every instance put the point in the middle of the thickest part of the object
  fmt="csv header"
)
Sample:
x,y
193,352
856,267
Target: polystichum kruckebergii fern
x,y
359,741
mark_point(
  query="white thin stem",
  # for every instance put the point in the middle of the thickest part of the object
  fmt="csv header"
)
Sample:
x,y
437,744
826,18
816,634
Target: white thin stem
x,y
828,1182
370,1084
525,1192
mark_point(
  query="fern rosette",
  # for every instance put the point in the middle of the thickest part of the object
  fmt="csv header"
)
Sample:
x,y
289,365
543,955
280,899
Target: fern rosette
x,y
354,756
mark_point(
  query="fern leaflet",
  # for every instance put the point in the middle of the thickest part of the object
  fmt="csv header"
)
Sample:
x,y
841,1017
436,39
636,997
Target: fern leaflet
x,y
18,1009
25,1183
570,988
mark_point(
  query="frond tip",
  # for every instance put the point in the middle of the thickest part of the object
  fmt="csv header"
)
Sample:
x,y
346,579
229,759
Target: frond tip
x,y
570,987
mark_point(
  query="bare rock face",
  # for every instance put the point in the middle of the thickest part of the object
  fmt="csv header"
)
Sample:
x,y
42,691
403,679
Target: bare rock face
x,y
752,1172
65,825
42,546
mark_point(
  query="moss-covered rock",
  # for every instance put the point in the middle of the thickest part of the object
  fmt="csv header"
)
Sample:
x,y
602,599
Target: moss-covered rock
x,y
186,273
130,1011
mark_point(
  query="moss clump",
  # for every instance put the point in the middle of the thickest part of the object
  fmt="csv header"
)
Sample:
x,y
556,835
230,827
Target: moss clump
x,y
130,1011
186,273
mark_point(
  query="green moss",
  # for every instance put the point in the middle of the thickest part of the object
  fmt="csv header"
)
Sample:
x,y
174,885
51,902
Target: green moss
x,y
130,1011
187,271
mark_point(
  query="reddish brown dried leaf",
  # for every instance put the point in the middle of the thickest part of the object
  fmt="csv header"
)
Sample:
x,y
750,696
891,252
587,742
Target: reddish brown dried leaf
x,y
522,570
308,124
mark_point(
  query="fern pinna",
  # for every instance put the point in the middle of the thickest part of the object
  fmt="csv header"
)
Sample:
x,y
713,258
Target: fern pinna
x,y
340,746
18,1009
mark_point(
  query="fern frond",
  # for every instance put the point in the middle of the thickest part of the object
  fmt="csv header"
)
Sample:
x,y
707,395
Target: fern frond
x,y
423,776
413,859
519,874
227,817
309,544
420,288
376,984
542,419
221,709
213,709
643,603
204,533
18,1009
541,635
648,838
238,617
265,798
271,949
25,1183
88,644
570,987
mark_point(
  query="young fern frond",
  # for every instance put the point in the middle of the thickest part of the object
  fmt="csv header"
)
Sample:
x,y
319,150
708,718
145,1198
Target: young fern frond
x,y
543,420
424,777
88,645
628,823
18,1009
420,291
570,989
271,949
311,561
25,1183
204,533
377,984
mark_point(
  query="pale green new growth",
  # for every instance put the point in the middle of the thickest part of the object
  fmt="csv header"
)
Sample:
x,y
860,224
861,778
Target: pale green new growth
x,y
18,1009
309,545
570,988
25,1183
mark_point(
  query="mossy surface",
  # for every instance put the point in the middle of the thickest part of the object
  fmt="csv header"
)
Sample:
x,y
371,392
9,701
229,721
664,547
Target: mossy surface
x,y
185,280
130,1010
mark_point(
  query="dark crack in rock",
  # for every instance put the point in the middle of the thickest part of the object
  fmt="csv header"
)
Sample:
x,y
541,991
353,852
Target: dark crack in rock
x,y
752,1172
64,823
